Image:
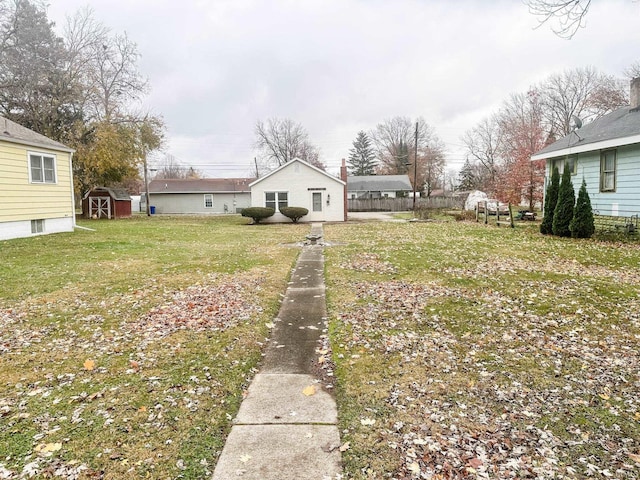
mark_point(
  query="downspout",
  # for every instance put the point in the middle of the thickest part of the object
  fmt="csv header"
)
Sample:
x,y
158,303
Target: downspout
x,y
73,197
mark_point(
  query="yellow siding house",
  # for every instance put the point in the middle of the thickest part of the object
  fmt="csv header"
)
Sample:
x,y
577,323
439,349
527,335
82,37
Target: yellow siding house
x,y
36,183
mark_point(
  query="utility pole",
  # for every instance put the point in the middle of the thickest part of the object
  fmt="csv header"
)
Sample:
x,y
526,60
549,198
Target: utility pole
x,y
146,185
415,171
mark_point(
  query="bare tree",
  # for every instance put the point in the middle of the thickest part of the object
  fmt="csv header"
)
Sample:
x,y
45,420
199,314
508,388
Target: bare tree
x,y
282,140
169,167
633,71
106,65
566,16
394,141
484,142
582,92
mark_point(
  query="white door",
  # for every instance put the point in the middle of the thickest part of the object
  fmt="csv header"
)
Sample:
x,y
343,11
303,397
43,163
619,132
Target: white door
x,y
317,201
99,207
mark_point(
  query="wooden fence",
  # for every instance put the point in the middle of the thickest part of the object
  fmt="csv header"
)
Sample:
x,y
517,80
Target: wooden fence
x,y
401,204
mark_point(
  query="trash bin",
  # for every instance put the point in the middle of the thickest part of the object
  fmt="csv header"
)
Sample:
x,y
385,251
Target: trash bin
x,y
152,209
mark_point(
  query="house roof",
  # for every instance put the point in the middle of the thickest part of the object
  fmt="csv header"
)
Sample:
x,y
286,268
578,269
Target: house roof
x,y
291,162
379,183
12,132
200,185
620,127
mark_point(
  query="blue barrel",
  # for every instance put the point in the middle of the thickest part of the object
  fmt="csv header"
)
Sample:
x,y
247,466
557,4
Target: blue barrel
x,y
152,209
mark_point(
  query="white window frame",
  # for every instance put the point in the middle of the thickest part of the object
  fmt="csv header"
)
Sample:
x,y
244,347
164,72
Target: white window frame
x,y
42,156
209,197
277,203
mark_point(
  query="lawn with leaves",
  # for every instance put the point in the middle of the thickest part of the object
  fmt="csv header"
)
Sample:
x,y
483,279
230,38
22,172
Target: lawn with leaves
x,y
469,351
124,352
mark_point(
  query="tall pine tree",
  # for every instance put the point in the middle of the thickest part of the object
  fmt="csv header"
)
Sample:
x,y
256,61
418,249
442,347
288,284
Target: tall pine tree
x,y
466,178
563,214
550,201
362,159
582,224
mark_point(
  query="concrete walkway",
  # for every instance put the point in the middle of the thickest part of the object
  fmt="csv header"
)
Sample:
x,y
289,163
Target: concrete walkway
x,y
287,425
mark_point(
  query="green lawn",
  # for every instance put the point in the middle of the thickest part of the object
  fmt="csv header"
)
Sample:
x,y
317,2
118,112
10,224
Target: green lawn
x,y
469,351
460,350
126,350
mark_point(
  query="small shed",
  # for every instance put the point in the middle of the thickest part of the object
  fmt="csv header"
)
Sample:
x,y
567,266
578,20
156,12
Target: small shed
x,y
103,202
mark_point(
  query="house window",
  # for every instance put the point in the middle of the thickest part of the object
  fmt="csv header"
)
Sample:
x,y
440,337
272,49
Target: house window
x,y
208,200
317,202
42,168
570,162
608,171
37,226
276,200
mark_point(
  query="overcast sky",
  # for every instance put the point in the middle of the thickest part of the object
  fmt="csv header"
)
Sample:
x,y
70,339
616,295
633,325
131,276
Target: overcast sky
x,y
339,66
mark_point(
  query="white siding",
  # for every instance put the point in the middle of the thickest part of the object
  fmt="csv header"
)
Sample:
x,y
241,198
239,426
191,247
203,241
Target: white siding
x,y
193,203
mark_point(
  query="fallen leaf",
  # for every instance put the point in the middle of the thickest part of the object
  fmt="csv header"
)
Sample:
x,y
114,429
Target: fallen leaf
x,y
89,364
635,457
367,422
310,390
345,446
414,468
245,458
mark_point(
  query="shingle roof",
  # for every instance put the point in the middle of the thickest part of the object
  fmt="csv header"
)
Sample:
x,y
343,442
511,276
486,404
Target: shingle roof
x,y
12,132
620,127
200,185
378,183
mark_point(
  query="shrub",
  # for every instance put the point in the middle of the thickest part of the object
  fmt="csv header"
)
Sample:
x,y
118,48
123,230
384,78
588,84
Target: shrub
x,y
294,213
563,214
550,201
257,213
582,224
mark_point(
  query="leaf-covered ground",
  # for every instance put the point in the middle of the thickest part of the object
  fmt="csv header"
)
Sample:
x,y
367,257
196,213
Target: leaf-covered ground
x,y
124,353
466,351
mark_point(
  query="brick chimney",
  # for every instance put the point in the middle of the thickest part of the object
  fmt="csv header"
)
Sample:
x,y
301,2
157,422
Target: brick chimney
x,y
343,177
635,94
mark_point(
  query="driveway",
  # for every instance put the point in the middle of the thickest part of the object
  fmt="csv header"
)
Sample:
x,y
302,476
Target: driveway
x,y
373,217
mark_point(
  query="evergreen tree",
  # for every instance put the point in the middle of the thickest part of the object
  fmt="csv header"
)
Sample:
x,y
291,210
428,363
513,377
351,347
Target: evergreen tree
x,y
362,158
466,177
563,214
550,201
582,224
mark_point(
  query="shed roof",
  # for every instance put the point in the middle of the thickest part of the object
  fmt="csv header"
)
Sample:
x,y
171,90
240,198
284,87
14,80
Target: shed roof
x,y
200,185
620,127
379,183
15,133
115,193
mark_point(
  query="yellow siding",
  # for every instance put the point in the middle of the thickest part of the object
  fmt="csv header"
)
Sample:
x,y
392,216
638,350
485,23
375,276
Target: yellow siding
x,y
21,200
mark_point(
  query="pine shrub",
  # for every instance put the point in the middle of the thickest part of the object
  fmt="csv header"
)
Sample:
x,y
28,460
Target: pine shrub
x,y
563,213
294,213
550,201
582,224
257,213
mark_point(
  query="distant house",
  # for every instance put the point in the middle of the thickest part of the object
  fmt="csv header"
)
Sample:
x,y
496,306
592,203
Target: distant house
x,y
103,202
299,184
199,196
606,153
36,183
378,186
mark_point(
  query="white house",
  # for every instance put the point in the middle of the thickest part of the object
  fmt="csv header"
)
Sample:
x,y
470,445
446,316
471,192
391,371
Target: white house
x,y
200,195
299,184
379,186
36,183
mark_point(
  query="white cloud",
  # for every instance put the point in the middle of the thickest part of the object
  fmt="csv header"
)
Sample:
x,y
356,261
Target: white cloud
x,y
339,66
